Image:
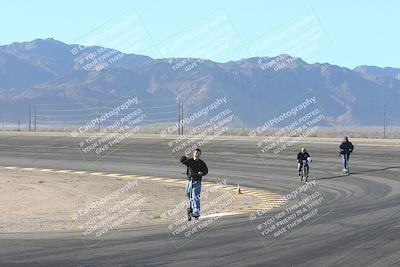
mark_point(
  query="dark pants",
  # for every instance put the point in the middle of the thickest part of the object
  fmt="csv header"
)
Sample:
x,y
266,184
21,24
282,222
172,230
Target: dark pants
x,y
300,165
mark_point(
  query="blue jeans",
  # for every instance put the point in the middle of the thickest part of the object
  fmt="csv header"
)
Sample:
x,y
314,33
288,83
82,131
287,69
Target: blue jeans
x,y
345,160
193,190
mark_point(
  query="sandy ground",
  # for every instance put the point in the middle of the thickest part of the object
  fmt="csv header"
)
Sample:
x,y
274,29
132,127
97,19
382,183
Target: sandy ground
x,y
32,201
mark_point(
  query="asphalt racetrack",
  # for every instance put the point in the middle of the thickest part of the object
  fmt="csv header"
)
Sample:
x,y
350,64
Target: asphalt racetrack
x,y
356,224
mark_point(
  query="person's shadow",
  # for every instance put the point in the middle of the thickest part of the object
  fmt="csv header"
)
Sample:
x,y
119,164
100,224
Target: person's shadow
x,y
367,171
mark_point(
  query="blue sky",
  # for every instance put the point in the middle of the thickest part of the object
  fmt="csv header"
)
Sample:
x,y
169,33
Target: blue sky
x,y
359,32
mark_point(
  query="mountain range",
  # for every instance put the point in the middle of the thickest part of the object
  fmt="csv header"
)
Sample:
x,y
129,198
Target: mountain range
x,y
47,71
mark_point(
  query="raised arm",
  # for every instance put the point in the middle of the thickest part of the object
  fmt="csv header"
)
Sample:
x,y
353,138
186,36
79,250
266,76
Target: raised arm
x,y
184,160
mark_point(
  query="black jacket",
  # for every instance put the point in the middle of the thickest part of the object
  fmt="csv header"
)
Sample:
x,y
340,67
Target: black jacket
x,y
302,156
346,147
193,167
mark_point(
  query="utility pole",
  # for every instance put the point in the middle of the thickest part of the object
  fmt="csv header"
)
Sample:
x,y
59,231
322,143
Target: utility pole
x,y
98,116
35,118
18,126
179,116
4,120
384,121
30,116
182,115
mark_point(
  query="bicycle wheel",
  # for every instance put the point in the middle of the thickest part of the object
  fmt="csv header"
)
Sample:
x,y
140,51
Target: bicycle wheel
x,y
305,168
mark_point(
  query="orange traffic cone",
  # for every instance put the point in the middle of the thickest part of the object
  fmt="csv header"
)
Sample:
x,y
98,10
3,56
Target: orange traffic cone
x,y
238,191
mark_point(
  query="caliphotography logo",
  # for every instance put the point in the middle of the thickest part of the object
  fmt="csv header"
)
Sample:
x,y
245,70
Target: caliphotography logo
x,y
106,130
199,125
303,206
212,133
98,219
210,37
289,127
120,35
215,203
299,38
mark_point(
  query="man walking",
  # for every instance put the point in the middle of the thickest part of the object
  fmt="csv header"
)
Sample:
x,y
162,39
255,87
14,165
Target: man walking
x,y
196,169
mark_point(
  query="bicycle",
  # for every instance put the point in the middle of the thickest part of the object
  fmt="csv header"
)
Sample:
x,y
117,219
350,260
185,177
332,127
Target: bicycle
x,y
304,171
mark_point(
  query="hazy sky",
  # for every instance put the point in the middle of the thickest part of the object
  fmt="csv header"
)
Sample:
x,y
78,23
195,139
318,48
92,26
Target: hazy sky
x,y
354,32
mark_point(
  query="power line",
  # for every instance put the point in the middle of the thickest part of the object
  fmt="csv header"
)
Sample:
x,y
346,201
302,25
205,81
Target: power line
x,y
64,110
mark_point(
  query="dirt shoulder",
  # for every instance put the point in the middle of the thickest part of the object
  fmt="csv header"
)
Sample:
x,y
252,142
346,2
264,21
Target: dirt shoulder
x,y
33,201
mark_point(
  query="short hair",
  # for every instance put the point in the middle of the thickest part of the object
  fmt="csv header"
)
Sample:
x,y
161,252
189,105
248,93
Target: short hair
x,y
198,149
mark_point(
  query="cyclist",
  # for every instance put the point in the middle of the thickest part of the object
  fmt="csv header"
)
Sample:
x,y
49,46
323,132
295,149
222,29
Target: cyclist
x,y
303,158
345,148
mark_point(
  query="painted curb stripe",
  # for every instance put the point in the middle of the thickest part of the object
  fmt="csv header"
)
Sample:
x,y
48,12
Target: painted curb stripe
x,y
46,170
261,195
63,171
97,173
79,172
10,168
28,169
157,179
113,174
